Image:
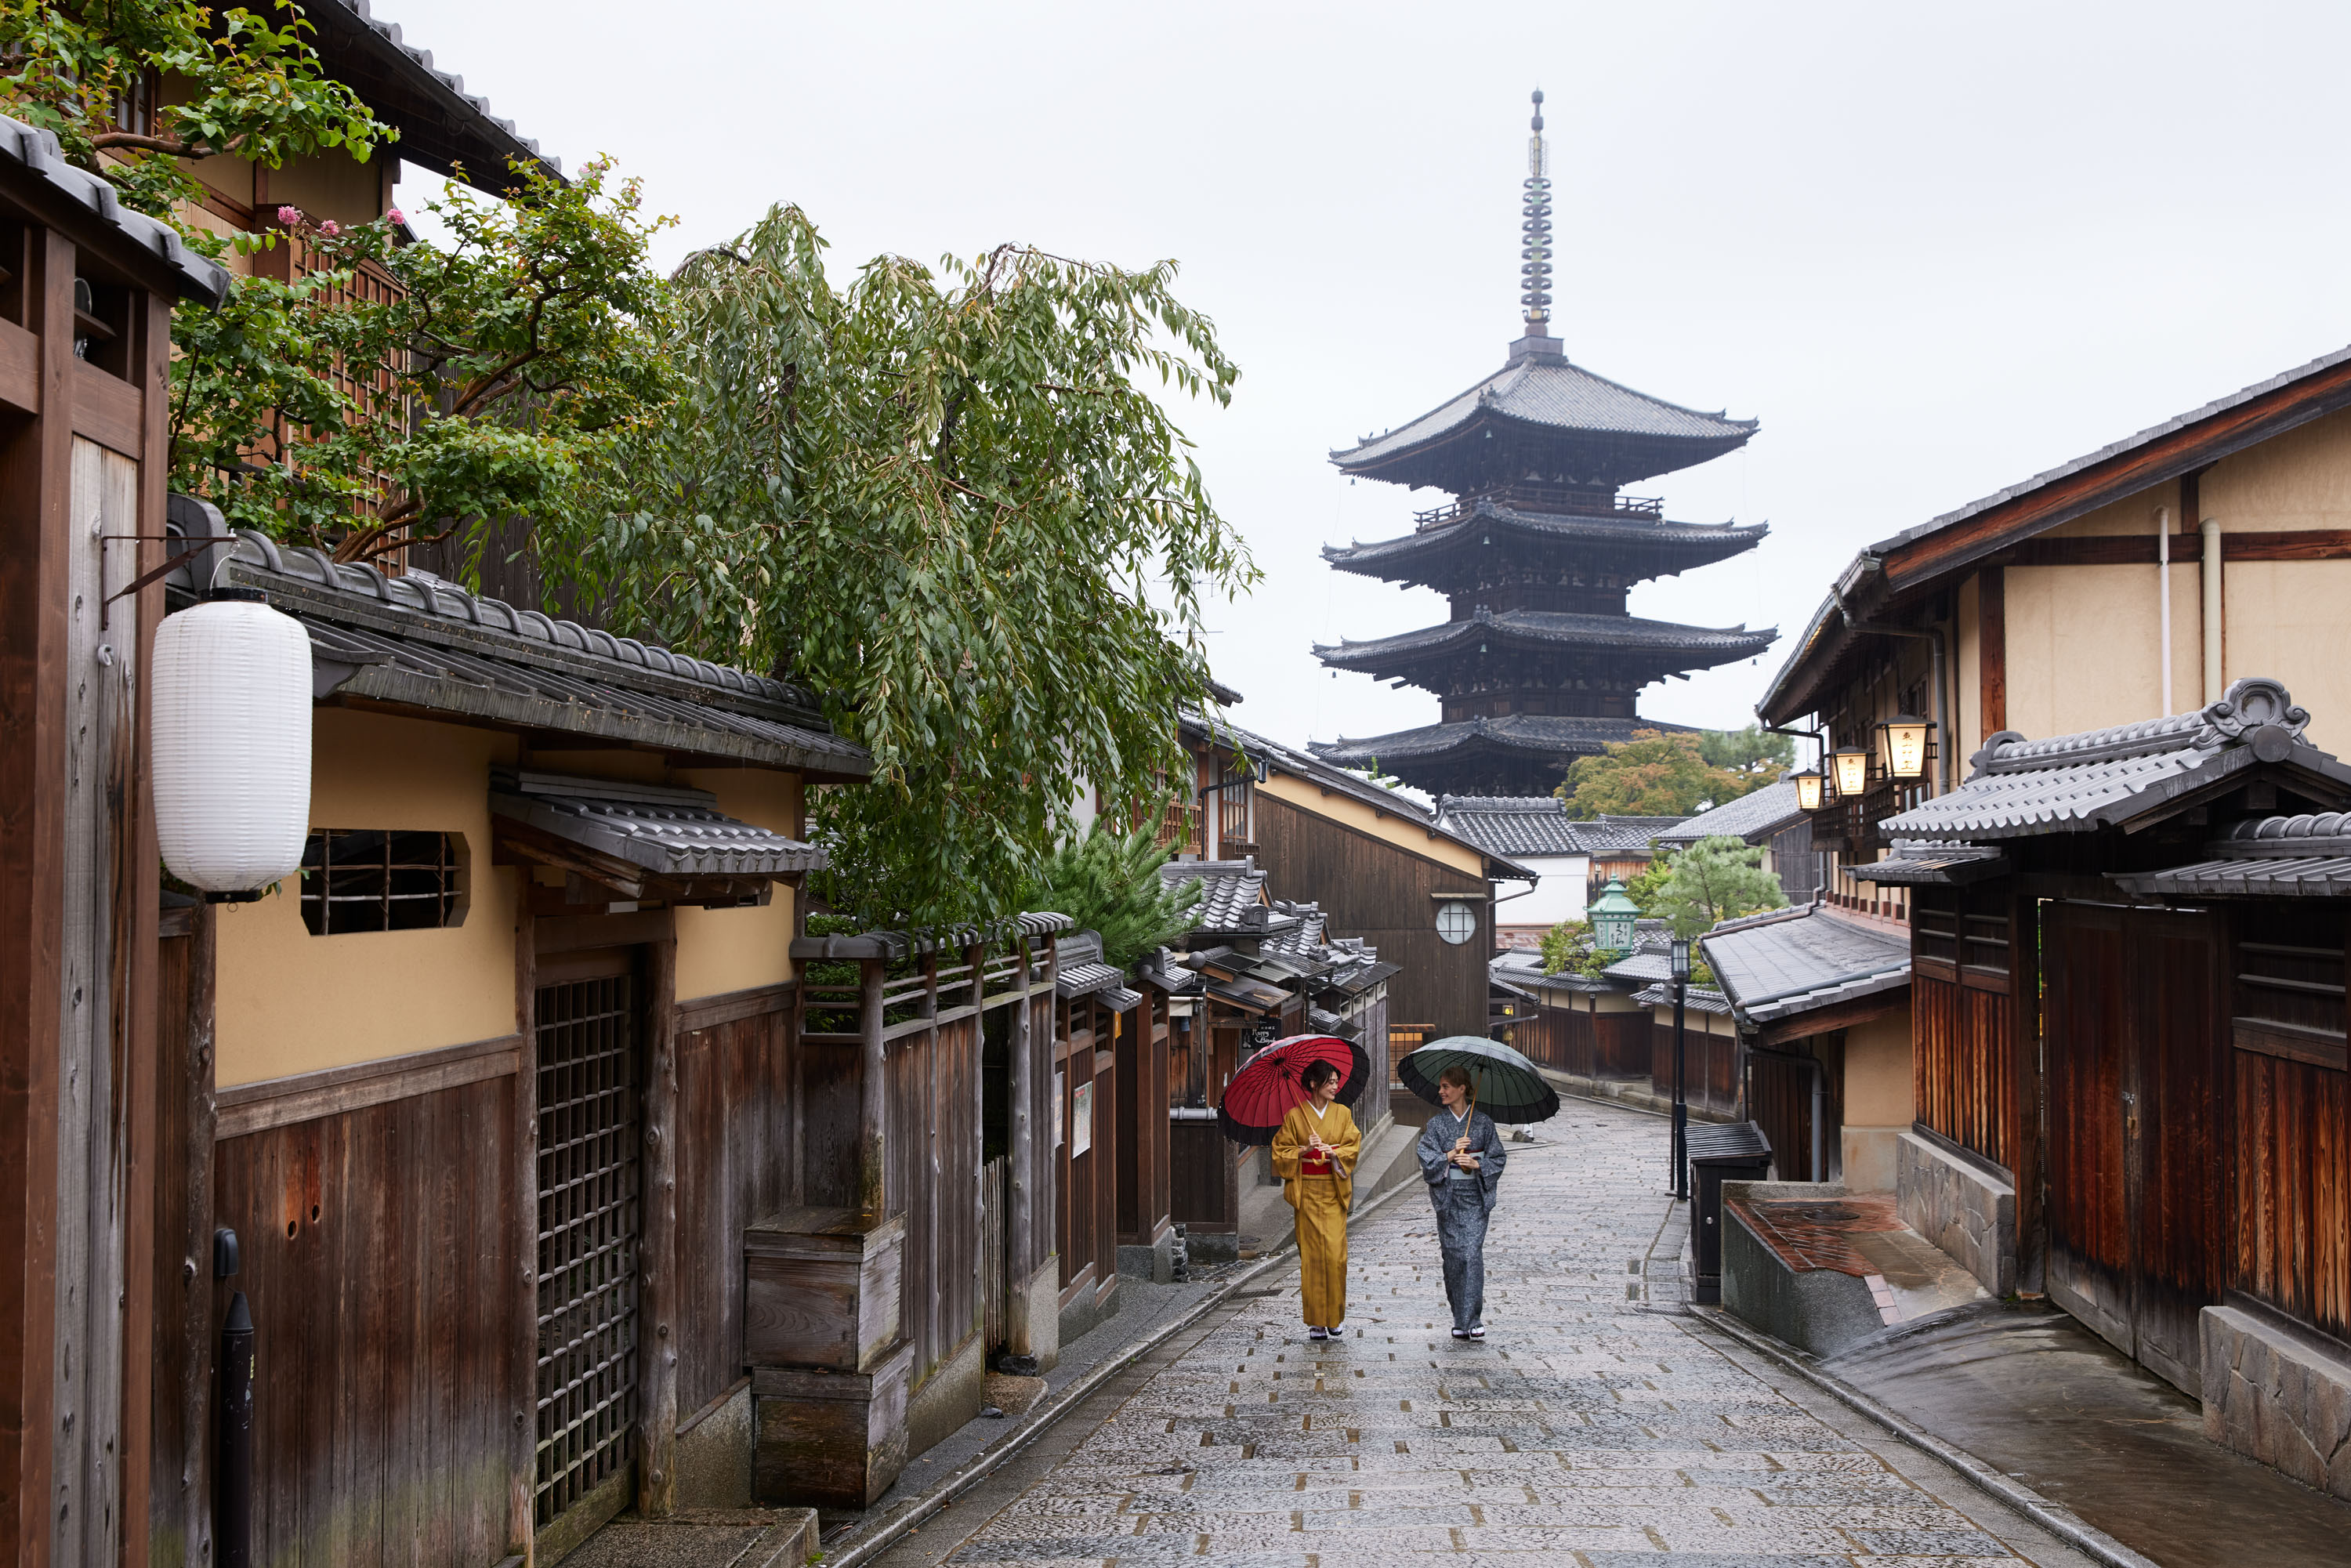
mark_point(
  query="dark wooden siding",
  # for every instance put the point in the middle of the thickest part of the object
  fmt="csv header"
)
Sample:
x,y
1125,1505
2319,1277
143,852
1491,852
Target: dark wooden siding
x,y
1710,1062
179,1500
932,1149
734,1164
1963,1061
1620,1044
1557,1037
2290,1142
1385,894
379,1262
1143,1101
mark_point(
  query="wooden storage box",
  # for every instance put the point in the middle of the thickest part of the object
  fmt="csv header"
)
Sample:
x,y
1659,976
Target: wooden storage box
x,y
821,1288
830,1440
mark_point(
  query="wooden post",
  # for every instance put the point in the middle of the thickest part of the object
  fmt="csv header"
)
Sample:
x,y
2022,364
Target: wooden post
x,y
522,1375
657,1274
974,957
1020,1218
870,1100
195,1310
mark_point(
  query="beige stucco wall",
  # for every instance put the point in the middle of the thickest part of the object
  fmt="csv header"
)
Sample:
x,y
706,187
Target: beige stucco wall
x,y
722,950
1393,828
1877,1099
291,1002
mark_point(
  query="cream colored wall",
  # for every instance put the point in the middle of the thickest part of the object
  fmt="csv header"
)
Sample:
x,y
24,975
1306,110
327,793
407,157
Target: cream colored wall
x,y
2081,646
328,185
1394,829
1968,654
1878,1100
722,950
291,1002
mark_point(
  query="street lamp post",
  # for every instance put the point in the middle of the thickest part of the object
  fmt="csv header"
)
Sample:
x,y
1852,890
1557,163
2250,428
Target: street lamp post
x,y
1681,1066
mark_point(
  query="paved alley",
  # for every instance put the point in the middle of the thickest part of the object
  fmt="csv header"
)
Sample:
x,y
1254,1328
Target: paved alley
x,y
1590,1428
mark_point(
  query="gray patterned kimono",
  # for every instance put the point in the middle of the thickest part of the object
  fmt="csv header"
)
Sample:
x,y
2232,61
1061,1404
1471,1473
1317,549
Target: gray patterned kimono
x,y
1463,1199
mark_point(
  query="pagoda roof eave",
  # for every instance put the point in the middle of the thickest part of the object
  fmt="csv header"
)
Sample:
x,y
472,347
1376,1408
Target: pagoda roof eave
x,y
1683,647
1703,543
1517,734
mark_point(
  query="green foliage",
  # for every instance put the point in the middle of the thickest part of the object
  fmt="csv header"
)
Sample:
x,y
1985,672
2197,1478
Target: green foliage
x,y
1567,949
246,82
1644,887
1109,882
952,501
1751,753
1674,773
1714,880
512,363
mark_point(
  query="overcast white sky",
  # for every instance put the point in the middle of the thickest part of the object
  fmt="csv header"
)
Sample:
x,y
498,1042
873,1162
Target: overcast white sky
x,y
1933,250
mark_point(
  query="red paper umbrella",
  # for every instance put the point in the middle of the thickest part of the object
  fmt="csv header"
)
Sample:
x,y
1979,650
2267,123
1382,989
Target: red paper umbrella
x,y
1268,1085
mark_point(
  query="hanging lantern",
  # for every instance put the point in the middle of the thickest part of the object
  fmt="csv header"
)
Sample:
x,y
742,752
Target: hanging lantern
x,y
1852,772
1612,918
232,742
1808,789
1902,745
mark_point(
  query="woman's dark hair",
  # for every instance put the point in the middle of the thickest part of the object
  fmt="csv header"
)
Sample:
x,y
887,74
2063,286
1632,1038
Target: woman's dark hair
x,y
1317,1074
1460,1078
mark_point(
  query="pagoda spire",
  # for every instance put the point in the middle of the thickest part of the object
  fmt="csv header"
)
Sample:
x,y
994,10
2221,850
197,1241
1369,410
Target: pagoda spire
x,y
1534,229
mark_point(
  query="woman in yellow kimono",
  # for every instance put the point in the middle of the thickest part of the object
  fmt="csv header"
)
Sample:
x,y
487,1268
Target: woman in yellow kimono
x,y
1314,1154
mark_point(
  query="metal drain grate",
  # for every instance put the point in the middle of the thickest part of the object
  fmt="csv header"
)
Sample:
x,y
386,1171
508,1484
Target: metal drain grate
x,y
589,1145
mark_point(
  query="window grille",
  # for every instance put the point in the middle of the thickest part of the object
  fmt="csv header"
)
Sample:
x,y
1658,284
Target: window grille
x,y
588,1185
356,879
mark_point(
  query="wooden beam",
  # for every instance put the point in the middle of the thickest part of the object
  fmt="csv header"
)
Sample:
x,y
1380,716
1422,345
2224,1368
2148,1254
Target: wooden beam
x,y
247,1108
196,1315
2140,550
522,1235
1992,649
1843,1015
658,1295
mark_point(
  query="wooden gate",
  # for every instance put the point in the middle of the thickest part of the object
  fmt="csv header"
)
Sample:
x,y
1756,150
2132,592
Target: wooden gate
x,y
590,1186
2133,1033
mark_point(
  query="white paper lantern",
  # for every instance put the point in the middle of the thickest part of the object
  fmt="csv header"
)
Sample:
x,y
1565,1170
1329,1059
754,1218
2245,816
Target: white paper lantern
x,y
232,738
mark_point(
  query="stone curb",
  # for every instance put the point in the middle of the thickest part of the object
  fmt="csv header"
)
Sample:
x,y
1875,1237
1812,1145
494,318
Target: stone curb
x,y
887,1531
2059,1521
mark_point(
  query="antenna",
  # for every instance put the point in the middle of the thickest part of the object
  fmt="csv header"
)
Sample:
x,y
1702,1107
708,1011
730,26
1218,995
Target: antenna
x,y
1534,230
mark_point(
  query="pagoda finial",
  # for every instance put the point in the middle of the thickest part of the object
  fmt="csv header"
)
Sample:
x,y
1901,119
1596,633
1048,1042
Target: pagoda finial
x,y
1534,228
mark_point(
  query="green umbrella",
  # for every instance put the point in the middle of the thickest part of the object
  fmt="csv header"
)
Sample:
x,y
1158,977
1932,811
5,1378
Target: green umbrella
x,y
1508,1085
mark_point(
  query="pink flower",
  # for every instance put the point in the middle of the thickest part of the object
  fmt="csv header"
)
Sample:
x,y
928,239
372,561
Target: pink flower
x,y
330,228
395,215
290,217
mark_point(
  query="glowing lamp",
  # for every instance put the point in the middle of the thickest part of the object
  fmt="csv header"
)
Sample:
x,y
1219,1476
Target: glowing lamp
x,y
1902,745
232,742
1852,771
1808,789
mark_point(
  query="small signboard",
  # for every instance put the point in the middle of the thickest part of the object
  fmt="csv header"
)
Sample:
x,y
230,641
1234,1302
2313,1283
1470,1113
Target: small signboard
x,y
1082,1120
1059,1080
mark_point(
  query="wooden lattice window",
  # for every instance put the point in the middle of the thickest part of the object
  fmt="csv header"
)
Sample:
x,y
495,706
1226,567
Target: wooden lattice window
x,y
365,879
590,1196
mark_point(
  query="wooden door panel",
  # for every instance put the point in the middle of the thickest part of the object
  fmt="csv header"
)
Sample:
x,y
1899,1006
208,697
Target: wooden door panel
x,y
2089,1250
2172,1089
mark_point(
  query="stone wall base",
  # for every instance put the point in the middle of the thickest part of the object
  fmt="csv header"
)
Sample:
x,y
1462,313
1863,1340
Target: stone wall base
x,y
2274,1396
948,1397
1870,1160
1961,1207
714,1455
1155,1262
1088,1311
1044,1336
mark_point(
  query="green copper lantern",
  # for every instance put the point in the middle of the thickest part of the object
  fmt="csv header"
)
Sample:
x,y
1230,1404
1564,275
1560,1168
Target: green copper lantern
x,y
1612,914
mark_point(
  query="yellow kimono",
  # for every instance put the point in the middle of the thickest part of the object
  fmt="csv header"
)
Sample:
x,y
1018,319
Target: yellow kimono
x,y
1321,1202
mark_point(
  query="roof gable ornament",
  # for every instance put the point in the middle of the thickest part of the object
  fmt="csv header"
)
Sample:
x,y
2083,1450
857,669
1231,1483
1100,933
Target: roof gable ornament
x,y
1534,229
2257,711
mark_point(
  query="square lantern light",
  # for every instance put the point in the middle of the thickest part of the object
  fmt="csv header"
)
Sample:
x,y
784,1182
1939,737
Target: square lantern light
x,y
1902,745
1808,789
1852,771
1681,958
1614,914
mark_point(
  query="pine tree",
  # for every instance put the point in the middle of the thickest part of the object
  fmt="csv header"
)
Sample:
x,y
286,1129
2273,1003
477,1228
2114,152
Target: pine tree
x,y
1109,882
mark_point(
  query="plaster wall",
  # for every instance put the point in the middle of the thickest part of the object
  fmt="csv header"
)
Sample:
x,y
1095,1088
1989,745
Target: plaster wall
x,y
1878,1100
722,950
1557,895
1967,653
2082,642
1404,833
291,1002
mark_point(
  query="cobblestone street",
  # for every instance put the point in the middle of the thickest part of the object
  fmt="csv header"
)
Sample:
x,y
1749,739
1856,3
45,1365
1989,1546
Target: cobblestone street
x,y
1593,1426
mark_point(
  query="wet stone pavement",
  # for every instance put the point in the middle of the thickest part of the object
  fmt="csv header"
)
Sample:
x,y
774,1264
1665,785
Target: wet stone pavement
x,y
1595,1425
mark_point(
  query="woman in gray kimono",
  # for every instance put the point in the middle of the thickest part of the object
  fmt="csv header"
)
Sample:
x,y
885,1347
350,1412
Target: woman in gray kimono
x,y
1461,1157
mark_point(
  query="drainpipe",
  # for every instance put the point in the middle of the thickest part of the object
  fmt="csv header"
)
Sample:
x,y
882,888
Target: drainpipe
x,y
2212,625
2163,596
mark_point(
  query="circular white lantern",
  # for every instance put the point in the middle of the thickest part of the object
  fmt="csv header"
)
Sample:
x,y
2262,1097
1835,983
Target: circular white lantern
x,y
232,742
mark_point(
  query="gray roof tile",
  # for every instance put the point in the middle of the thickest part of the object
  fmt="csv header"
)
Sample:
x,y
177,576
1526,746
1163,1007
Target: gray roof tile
x,y
1752,817
1699,999
1709,541
1789,962
670,833
38,154
1545,389
1550,628
1547,734
1931,864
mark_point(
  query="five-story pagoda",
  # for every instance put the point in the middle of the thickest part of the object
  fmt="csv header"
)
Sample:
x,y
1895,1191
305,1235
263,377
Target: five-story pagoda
x,y
1539,663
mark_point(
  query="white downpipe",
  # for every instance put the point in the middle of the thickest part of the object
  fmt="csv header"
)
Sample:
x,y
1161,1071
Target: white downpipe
x,y
2212,625
2163,596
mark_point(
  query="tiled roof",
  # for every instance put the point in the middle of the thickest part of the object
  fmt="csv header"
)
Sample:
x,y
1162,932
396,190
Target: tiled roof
x,y
895,945
1232,897
441,123
1706,541
670,833
1642,968
1523,966
1547,734
1795,961
1551,628
416,642
1697,999
1162,968
1750,818
1510,824
1606,834
36,153
1548,390
2293,857
2074,783
1931,864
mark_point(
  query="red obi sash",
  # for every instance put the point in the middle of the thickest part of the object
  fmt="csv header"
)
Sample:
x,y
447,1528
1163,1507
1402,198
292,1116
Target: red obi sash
x,y
1313,1163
